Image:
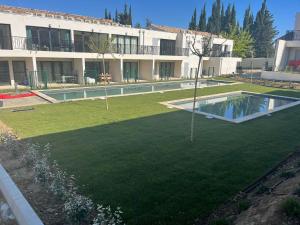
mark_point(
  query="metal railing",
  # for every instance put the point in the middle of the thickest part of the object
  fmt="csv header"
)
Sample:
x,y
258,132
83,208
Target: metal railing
x,y
220,54
24,43
291,35
297,35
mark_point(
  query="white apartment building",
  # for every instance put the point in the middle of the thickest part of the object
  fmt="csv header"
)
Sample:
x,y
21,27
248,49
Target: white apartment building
x,y
37,45
287,55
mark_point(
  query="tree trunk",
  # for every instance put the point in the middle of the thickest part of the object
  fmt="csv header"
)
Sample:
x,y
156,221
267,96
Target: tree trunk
x,y
103,64
194,101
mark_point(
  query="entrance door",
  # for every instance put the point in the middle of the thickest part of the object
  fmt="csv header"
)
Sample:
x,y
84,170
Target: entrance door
x,y
130,71
4,73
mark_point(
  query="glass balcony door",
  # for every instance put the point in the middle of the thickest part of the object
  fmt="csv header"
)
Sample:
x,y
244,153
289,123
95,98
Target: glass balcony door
x,y
20,74
4,73
130,71
166,70
5,37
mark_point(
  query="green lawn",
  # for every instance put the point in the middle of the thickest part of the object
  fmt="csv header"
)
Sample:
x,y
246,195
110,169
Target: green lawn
x,y
138,155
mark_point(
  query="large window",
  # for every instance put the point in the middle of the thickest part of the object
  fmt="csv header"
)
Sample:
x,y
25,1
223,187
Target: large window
x,y
167,47
88,41
94,69
5,37
125,44
20,72
56,71
130,71
48,39
166,69
4,73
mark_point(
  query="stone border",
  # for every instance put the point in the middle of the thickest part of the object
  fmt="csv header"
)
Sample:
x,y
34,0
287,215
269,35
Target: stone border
x,y
21,209
170,104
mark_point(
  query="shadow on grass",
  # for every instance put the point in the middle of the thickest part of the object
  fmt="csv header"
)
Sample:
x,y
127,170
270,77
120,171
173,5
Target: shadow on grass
x,y
149,168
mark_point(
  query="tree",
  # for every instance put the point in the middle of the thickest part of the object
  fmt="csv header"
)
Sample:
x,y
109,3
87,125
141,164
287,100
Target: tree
x,y
227,20
109,16
264,32
243,42
116,16
148,23
214,21
106,14
193,23
248,20
101,47
205,49
223,19
129,17
202,20
138,25
233,21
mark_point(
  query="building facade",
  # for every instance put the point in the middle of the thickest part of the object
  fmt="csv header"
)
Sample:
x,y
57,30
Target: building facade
x,y
38,45
287,55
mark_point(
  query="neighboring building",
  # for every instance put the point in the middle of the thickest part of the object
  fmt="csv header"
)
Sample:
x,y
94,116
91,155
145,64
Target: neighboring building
x,y
38,45
287,55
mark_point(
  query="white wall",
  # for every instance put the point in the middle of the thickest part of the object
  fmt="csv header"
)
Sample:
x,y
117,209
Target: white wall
x,y
145,69
256,63
271,75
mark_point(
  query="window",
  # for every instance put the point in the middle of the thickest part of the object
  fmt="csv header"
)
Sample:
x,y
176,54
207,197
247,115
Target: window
x,y
48,39
5,37
125,44
94,69
86,41
166,69
56,71
20,72
167,47
4,72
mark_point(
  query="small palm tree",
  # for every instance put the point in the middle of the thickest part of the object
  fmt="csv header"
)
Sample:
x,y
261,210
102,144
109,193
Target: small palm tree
x,y
102,46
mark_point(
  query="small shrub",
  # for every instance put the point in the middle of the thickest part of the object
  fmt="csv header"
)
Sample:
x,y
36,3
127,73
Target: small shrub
x,y
78,208
243,205
262,189
41,167
10,143
220,222
105,216
287,174
291,207
58,181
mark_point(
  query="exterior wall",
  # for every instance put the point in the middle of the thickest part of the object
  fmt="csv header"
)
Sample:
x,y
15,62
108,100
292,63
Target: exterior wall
x,y
256,63
228,65
281,55
148,64
145,69
271,75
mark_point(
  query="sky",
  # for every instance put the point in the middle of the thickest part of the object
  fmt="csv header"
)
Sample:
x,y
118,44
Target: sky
x,y
164,12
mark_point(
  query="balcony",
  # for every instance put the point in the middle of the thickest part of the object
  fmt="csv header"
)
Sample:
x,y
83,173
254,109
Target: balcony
x,y
220,54
25,43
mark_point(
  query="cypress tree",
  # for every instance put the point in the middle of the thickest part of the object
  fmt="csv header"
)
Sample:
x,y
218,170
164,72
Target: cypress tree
x,y
116,16
130,17
227,20
223,19
214,22
233,21
264,32
202,20
105,14
248,20
193,23
109,16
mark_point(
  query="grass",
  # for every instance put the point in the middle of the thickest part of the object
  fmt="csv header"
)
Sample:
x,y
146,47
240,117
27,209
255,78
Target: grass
x,y
138,155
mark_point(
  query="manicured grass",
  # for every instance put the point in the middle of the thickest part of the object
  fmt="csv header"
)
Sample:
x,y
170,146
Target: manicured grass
x,y
138,155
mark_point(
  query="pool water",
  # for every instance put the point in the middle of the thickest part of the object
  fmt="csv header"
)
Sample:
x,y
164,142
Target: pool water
x,y
81,93
238,107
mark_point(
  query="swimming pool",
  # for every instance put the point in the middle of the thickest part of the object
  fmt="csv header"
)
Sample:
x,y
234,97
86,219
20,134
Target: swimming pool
x,y
70,94
236,107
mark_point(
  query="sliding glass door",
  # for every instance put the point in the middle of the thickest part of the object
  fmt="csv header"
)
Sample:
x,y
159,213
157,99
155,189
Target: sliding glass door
x,y
20,74
4,73
166,70
130,71
5,37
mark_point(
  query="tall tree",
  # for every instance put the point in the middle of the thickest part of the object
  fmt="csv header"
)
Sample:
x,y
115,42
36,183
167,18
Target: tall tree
x,y
227,19
243,42
233,21
105,14
264,32
202,20
109,16
116,16
248,20
223,19
214,21
193,23
130,16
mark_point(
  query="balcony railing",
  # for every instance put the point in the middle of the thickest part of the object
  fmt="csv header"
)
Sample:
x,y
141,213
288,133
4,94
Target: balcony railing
x,y
25,43
220,54
297,35
291,35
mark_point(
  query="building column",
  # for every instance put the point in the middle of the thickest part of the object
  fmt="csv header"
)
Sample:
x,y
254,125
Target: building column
x,y
153,70
11,72
31,69
79,67
121,69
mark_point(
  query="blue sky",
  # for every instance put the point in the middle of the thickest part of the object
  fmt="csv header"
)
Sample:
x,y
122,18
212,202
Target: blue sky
x,y
168,12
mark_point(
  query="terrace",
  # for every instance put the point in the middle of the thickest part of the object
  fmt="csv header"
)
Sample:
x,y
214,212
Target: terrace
x,y
138,156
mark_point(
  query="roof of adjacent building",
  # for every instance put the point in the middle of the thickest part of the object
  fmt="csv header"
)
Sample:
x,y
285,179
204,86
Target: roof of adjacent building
x,y
177,30
49,14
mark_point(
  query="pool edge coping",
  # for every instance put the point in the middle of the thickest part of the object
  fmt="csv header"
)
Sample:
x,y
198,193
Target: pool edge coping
x,y
170,104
